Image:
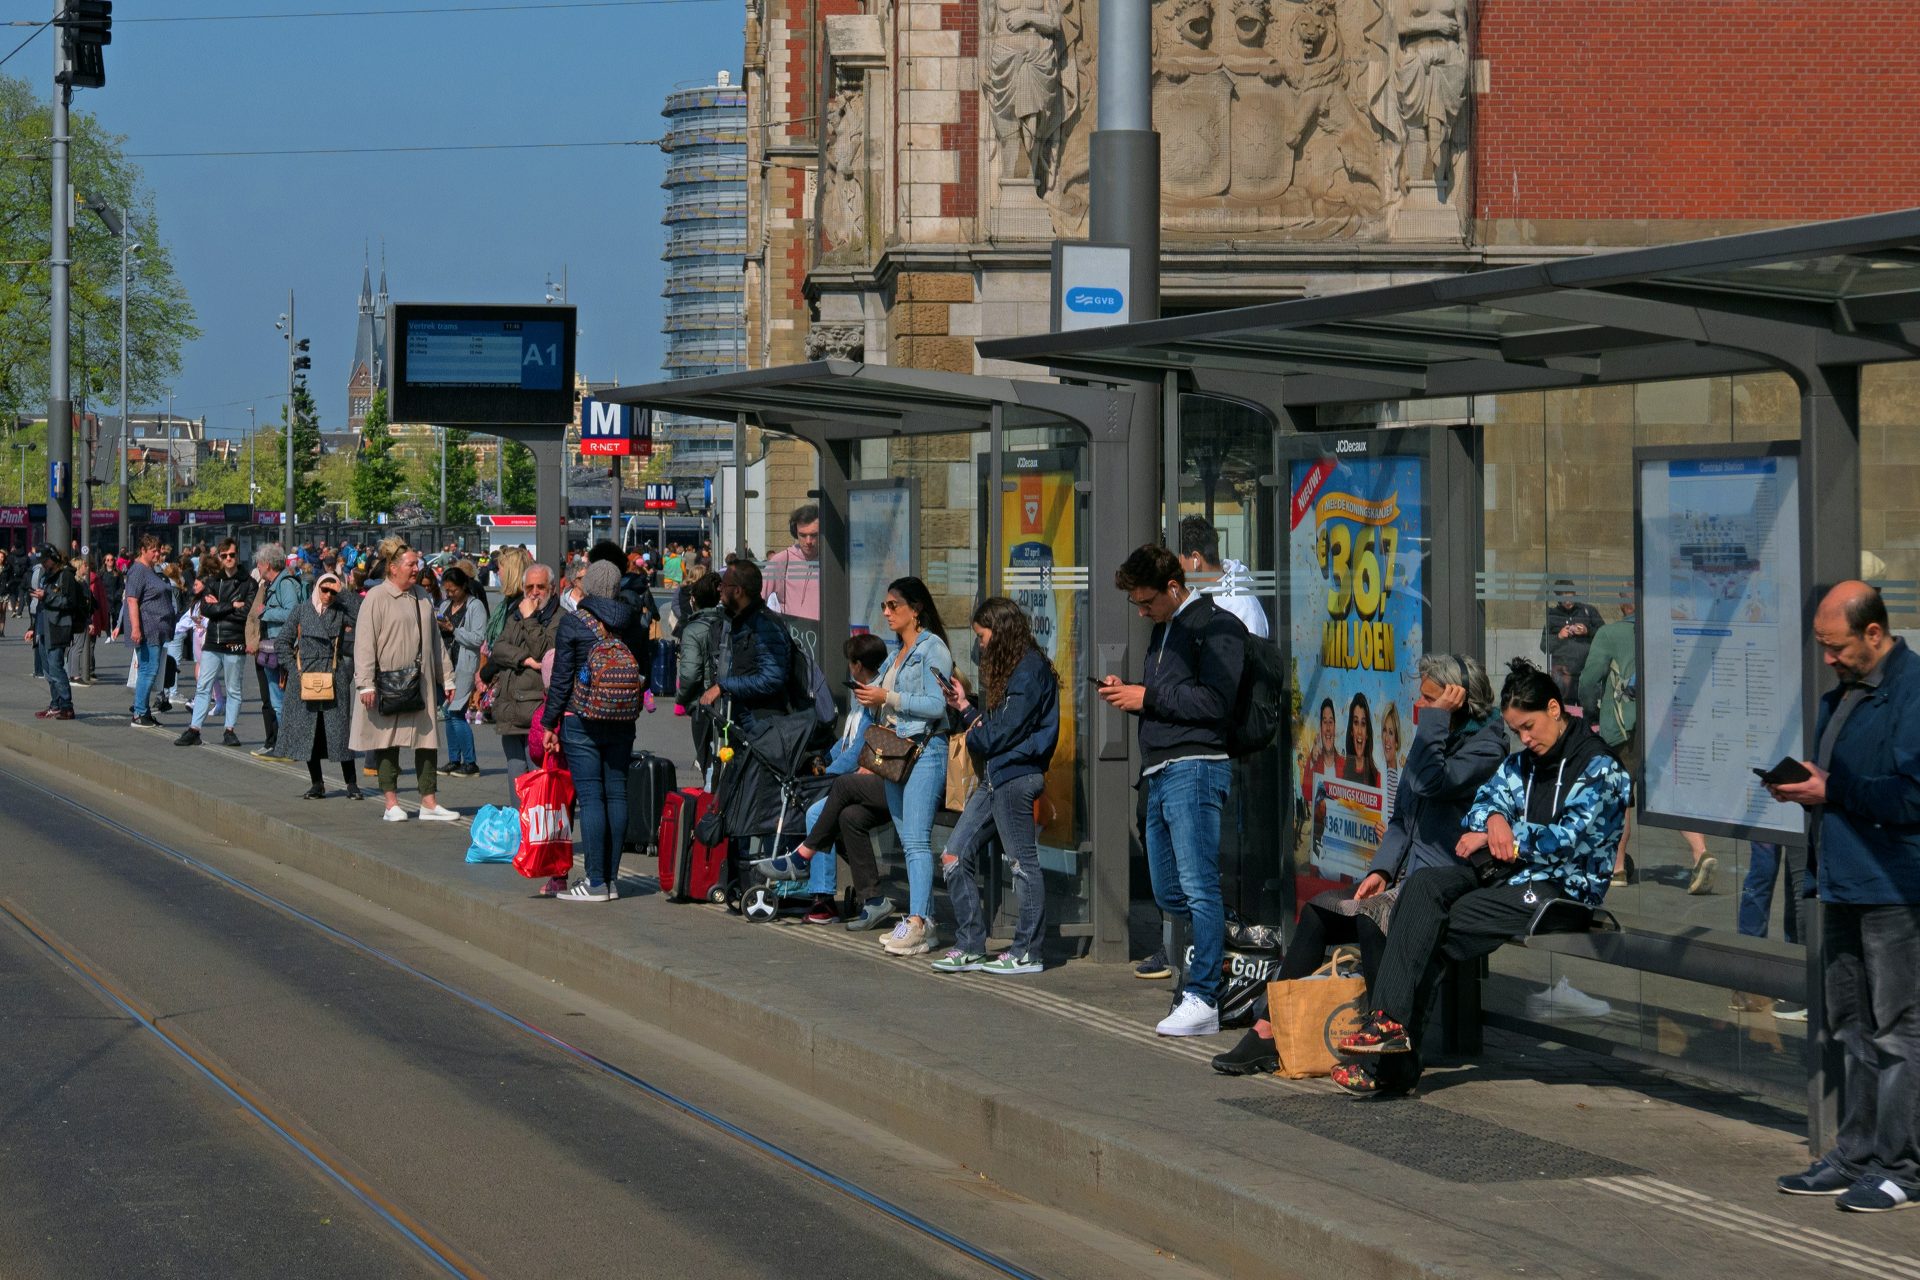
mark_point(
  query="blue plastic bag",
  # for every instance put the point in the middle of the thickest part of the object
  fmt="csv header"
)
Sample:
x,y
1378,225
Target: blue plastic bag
x,y
496,834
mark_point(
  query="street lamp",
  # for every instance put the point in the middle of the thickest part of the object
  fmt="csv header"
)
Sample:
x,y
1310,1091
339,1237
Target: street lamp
x,y
24,449
294,345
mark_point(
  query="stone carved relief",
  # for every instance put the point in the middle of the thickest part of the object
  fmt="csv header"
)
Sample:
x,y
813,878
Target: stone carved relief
x,y
1289,119
1032,86
843,173
836,342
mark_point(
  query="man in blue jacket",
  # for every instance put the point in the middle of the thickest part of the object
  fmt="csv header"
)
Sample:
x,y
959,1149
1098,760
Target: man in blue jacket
x,y
754,680
1863,790
1193,664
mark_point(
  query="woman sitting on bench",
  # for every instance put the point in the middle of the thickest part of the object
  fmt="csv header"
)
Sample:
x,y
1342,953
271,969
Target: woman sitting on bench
x,y
1543,827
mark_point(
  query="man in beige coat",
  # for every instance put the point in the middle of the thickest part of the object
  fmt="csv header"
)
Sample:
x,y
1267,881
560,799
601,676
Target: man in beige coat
x,y
395,632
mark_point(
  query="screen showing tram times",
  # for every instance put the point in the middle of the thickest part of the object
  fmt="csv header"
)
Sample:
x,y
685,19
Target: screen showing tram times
x,y
526,355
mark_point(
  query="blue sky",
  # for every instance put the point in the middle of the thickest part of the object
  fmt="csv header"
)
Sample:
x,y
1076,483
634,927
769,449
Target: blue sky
x,y
458,226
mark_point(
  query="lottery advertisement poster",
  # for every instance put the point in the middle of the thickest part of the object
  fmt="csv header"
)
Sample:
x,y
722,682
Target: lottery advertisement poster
x,y
1355,547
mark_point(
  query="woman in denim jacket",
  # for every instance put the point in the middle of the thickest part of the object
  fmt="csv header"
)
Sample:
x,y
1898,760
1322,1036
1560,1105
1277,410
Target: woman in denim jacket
x,y
910,698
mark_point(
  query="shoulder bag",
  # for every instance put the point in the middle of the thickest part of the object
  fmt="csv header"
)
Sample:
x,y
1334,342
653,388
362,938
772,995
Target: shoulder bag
x,y
887,755
316,686
398,693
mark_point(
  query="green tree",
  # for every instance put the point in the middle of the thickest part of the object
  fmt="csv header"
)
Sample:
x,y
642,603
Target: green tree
x,y
308,493
521,482
377,474
160,319
462,478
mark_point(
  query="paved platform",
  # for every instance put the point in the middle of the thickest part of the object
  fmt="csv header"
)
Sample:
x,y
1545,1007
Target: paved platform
x,y
1534,1160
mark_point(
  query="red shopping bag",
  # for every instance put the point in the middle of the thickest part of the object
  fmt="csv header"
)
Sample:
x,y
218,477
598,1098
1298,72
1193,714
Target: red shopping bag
x,y
546,842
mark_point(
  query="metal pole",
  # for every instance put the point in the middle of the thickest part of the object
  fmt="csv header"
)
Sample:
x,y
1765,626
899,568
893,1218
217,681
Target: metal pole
x,y
614,531
59,396
500,472
84,539
169,448
443,473
126,423
739,484
293,409
253,451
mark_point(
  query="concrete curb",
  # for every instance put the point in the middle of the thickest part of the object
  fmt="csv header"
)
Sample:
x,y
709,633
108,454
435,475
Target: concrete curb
x,y
1085,1162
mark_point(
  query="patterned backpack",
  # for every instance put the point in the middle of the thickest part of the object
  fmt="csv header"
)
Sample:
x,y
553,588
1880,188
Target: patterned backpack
x,y
608,686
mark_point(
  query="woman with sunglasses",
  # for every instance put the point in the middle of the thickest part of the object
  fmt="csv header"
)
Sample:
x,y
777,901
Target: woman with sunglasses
x,y
910,699
319,635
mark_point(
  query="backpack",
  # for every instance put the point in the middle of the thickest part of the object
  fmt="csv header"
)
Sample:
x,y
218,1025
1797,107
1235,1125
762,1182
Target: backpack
x,y
608,687
1262,699
1620,700
807,684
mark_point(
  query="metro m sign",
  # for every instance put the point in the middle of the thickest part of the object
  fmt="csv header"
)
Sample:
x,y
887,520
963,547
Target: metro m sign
x,y
606,430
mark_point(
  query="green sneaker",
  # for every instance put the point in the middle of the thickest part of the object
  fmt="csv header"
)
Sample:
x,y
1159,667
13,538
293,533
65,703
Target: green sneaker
x,y
958,961
1007,962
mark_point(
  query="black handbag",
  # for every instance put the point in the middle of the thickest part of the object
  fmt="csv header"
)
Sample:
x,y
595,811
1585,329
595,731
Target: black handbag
x,y
399,693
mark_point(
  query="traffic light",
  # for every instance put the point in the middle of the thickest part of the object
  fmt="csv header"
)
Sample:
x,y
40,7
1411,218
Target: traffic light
x,y
301,359
86,27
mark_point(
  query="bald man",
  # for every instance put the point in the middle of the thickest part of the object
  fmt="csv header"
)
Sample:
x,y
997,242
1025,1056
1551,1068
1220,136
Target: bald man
x,y
1863,791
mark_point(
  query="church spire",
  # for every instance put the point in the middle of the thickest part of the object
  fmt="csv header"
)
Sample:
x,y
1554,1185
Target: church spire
x,y
366,283
381,303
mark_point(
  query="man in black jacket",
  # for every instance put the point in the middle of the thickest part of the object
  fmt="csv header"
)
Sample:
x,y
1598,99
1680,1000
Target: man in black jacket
x,y
226,593
1194,661
753,676
62,603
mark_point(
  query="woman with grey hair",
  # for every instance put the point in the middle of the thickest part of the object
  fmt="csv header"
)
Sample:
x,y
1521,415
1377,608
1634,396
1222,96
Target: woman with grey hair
x,y
1457,744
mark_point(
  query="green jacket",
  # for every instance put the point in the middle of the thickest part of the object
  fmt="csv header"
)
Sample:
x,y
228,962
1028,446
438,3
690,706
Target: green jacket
x,y
1609,710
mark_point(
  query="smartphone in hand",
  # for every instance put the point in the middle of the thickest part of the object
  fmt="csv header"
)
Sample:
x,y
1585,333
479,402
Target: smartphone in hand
x,y
1784,771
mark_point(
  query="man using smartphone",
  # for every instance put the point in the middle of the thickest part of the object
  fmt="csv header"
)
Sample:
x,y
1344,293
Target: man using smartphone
x,y
1862,791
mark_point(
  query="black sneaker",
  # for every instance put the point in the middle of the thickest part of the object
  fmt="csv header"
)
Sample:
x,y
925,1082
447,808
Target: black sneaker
x,y
1154,966
189,737
1253,1056
166,705
229,738
146,722
1819,1179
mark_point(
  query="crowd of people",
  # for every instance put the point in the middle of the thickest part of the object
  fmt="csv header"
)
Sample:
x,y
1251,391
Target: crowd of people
x,y
1505,804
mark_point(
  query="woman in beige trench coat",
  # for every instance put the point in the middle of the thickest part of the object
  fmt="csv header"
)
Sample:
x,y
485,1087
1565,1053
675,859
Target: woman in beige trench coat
x,y
395,631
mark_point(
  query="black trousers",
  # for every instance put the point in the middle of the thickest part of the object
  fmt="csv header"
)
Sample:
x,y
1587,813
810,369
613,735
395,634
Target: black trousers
x,y
1871,958
268,719
1442,913
856,806
1322,925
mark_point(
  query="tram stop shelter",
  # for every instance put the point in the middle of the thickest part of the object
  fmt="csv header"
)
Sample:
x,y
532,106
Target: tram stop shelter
x,y
1536,390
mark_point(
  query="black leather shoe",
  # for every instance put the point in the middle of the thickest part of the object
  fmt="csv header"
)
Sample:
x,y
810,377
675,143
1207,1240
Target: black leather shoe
x,y
314,792
1251,1057
355,793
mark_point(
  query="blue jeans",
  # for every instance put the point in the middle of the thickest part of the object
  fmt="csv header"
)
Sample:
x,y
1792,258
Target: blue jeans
x,y
1871,962
913,804
823,873
1184,802
39,647
147,657
59,690
598,753
460,746
1008,809
227,669
1756,891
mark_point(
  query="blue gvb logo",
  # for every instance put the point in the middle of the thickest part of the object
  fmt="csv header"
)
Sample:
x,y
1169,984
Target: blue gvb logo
x,y
1103,302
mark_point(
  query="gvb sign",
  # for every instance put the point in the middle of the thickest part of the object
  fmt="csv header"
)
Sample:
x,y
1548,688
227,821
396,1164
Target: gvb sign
x,y
608,430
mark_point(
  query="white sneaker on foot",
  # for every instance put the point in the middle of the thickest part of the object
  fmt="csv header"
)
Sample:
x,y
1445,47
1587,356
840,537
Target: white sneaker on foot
x,y
1191,1017
439,813
584,892
912,938
1564,1000
394,813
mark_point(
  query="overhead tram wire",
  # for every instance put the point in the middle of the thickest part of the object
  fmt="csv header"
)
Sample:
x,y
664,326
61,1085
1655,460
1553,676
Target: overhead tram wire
x,y
38,27
559,5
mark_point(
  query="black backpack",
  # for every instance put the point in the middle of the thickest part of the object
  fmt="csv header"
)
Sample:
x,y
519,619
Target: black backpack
x,y
1262,699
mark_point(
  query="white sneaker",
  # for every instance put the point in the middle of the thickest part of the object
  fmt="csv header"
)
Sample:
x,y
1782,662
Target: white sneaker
x,y
912,938
1564,1000
1191,1017
584,892
439,813
889,941
394,813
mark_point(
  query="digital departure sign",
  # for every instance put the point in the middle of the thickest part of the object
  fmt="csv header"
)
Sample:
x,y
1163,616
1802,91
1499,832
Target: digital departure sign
x,y
463,364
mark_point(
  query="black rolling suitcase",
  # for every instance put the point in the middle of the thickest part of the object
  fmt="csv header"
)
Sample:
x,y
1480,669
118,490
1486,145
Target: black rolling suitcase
x,y
650,780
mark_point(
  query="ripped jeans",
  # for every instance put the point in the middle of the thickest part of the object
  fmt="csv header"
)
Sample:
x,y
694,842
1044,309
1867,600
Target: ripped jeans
x,y
1009,808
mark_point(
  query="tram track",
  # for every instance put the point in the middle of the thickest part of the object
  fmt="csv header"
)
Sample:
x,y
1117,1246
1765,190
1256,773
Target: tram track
x,y
442,1255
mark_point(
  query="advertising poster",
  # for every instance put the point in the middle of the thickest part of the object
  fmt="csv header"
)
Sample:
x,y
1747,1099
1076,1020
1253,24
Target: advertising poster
x,y
1720,640
880,548
1037,515
1355,546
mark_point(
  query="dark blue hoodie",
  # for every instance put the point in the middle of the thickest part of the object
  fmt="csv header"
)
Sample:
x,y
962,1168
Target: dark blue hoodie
x,y
571,645
1017,737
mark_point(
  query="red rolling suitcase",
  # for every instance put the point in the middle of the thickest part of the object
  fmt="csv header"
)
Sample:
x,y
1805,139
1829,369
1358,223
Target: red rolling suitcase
x,y
689,871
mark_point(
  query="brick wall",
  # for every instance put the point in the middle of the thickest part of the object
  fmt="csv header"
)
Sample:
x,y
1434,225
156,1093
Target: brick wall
x,y
1717,110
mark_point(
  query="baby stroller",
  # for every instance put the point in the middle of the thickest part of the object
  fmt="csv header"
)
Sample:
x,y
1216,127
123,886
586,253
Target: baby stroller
x,y
761,798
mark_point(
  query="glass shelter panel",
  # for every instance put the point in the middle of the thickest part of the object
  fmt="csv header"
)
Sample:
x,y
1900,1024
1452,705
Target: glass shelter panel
x,y
1558,588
